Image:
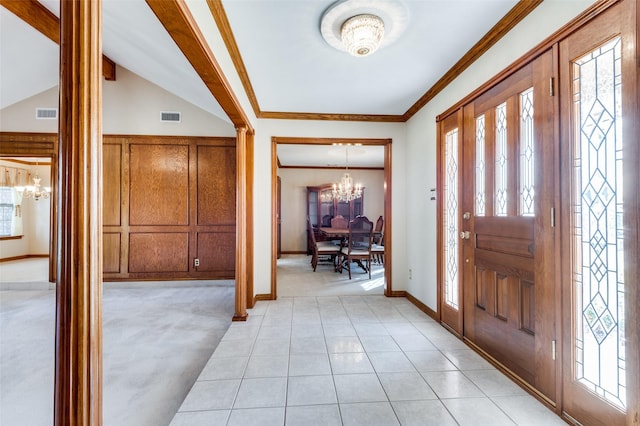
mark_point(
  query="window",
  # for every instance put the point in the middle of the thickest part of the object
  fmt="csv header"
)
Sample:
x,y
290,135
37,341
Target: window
x,y
6,210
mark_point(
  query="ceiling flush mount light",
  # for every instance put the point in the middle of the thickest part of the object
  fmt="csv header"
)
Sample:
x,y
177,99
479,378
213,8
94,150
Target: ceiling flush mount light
x,y
360,27
362,34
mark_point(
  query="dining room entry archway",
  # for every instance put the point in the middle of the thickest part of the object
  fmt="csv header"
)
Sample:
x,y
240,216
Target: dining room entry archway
x,y
386,143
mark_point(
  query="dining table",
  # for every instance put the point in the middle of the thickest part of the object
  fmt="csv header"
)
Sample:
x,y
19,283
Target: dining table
x,y
343,235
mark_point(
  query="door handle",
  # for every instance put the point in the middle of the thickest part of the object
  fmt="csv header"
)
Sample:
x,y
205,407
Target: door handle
x,y
465,235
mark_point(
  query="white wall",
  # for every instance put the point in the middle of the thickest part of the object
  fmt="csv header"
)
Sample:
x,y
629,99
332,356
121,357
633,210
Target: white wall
x,y
266,129
421,135
131,105
294,199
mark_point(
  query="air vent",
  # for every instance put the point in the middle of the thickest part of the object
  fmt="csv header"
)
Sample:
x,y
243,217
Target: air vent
x,y
170,116
46,113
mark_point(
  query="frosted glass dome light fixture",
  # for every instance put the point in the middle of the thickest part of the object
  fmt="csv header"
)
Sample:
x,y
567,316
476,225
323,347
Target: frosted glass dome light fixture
x,y
362,27
362,34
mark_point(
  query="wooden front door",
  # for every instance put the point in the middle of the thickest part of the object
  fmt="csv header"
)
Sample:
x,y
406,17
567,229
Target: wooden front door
x,y
506,228
600,178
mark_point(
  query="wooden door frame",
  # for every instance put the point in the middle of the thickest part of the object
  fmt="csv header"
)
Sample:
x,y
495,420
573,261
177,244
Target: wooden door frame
x,y
275,140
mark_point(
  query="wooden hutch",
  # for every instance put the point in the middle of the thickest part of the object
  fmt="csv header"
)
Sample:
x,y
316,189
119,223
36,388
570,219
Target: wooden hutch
x,y
322,207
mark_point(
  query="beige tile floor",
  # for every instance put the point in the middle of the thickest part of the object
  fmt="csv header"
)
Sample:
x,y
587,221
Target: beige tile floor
x,y
350,360
328,351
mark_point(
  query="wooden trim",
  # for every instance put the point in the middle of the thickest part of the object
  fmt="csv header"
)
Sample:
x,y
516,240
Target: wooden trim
x,y
326,141
328,167
116,279
439,220
373,118
274,220
220,16
520,11
241,226
27,163
275,140
43,20
22,144
424,308
11,237
510,374
175,17
78,360
24,256
249,218
543,46
388,229
258,297
633,230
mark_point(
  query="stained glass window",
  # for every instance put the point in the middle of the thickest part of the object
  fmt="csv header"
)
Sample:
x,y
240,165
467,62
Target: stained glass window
x,y
598,261
451,219
480,169
526,153
501,160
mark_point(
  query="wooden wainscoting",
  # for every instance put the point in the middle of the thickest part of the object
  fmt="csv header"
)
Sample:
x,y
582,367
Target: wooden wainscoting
x,y
167,202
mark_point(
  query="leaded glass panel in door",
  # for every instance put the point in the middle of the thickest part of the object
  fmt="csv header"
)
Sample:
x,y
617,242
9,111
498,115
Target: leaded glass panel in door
x,y
598,258
451,208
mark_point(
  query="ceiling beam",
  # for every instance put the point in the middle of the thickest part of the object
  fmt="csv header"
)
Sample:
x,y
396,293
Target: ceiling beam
x,y
42,19
176,18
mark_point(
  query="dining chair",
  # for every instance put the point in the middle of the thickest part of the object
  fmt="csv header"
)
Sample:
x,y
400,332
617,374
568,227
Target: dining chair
x,y
339,222
377,245
358,246
321,248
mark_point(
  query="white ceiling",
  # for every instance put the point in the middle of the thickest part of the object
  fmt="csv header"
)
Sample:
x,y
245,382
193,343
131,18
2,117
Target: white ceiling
x,y
293,69
290,66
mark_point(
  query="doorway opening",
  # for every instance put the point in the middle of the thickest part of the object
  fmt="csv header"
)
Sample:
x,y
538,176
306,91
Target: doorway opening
x,y
27,219
323,171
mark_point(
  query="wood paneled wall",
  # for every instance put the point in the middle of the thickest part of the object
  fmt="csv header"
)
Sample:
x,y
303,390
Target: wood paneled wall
x,y
169,201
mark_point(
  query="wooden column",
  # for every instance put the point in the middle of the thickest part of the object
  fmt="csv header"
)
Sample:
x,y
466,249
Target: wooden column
x,y
249,218
241,225
78,370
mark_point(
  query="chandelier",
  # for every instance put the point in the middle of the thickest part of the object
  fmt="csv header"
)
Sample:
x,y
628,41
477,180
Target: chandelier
x,y
35,191
346,190
362,34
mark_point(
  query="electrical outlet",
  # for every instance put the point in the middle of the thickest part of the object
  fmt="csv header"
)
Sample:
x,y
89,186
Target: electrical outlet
x,y
196,262
410,274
